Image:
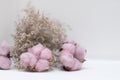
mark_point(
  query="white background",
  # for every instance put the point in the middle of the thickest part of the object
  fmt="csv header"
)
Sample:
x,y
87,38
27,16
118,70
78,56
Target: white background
x,y
95,23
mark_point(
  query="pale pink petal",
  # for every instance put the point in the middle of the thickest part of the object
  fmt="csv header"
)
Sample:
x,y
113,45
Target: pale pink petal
x,y
25,59
80,53
28,59
67,60
33,60
77,65
65,52
5,62
42,65
36,50
69,47
46,54
4,49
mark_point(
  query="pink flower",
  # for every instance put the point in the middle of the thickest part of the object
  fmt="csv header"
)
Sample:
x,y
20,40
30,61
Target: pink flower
x,y
36,50
77,65
69,47
72,56
4,49
4,62
42,65
80,53
46,54
28,59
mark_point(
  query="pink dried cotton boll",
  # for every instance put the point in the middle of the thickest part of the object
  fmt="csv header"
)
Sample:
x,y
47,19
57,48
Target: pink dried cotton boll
x,y
5,63
36,50
69,47
42,65
27,59
46,54
80,53
66,59
4,49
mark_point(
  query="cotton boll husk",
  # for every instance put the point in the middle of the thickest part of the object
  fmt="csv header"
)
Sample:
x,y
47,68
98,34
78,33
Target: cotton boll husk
x,y
69,47
42,65
5,63
4,49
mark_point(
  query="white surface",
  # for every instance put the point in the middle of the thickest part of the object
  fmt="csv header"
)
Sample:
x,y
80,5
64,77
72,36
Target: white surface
x,y
92,70
95,23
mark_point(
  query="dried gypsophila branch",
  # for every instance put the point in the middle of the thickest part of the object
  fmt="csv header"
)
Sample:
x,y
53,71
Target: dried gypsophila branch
x,y
36,28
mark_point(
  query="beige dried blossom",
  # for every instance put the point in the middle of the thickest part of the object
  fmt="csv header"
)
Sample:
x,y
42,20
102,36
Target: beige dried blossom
x,y
34,28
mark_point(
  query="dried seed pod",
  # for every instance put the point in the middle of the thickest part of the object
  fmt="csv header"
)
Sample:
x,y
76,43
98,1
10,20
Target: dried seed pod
x,y
35,28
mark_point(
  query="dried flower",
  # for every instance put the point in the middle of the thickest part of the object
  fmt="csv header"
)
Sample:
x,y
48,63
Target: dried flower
x,y
35,28
72,55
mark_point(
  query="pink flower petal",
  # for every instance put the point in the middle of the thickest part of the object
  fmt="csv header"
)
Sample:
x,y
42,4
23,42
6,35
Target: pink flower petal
x,y
67,59
25,59
28,59
4,49
36,50
46,54
5,62
80,53
69,47
77,65
42,65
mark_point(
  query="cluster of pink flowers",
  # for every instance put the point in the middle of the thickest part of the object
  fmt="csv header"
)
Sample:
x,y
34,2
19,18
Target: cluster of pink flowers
x,y
72,55
5,61
37,57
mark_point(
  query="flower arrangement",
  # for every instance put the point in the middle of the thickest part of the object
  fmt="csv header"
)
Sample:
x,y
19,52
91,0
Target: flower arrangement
x,y
41,43
35,28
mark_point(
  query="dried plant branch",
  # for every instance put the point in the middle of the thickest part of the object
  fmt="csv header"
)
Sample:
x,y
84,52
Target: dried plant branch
x,y
36,28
